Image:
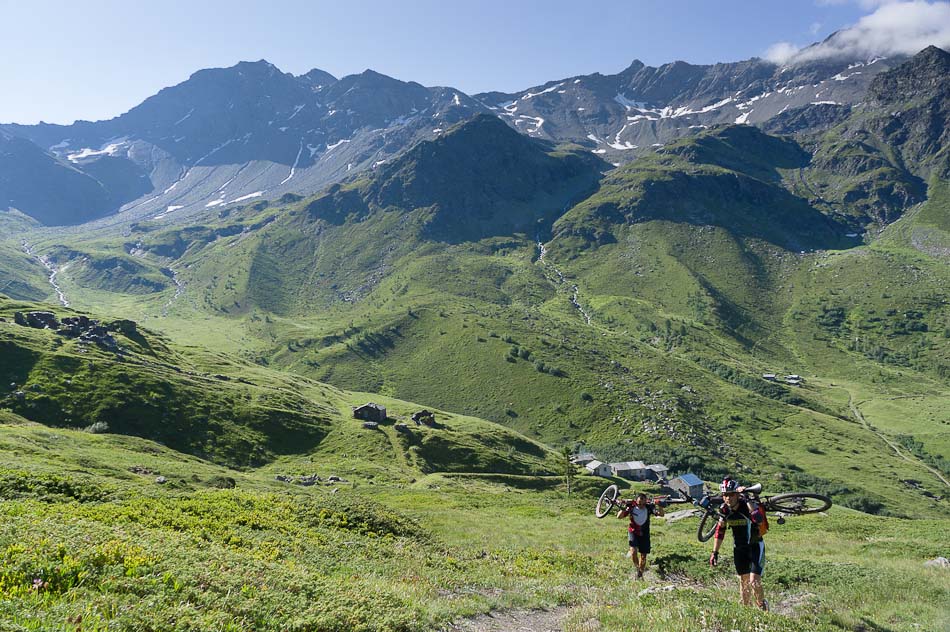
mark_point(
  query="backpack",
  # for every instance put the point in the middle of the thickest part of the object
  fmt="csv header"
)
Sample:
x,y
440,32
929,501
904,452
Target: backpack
x,y
764,524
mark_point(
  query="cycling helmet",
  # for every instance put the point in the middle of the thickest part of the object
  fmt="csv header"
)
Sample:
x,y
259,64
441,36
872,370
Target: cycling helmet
x,y
728,485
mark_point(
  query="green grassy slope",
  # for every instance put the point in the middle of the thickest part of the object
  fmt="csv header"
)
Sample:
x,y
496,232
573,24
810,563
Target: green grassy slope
x,y
689,298
84,541
213,407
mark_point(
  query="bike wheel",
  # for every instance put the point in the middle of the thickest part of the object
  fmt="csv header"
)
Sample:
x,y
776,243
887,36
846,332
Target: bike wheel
x,y
606,501
798,503
707,526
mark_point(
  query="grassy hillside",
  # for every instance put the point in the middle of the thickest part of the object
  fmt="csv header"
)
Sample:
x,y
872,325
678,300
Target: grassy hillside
x,y
85,541
642,332
213,407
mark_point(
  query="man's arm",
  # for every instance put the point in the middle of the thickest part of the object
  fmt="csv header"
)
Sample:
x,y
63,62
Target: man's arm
x,y
717,540
754,514
658,508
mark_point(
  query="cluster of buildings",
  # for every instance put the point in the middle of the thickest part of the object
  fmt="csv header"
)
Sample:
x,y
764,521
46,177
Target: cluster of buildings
x,y
793,380
688,484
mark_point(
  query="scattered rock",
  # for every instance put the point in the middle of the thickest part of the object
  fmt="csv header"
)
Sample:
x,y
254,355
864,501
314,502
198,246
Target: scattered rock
x,y
283,478
307,481
790,604
938,562
36,320
127,328
161,480
370,425
138,469
335,479
656,589
402,427
515,620
425,417
682,515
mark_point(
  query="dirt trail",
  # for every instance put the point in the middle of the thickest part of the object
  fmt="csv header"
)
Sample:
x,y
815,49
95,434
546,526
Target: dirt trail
x,y
514,621
860,417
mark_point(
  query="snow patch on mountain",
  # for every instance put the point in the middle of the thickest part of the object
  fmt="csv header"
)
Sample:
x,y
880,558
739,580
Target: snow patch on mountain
x,y
110,149
185,117
337,144
293,169
247,197
531,95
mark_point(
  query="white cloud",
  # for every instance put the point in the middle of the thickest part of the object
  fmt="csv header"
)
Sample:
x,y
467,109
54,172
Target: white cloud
x,y
814,28
781,52
894,28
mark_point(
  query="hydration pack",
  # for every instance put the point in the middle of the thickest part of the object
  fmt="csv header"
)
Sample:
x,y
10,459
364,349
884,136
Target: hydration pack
x,y
764,523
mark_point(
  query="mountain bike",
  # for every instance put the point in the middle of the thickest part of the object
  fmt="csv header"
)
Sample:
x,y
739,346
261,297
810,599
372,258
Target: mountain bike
x,y
610,499
788,504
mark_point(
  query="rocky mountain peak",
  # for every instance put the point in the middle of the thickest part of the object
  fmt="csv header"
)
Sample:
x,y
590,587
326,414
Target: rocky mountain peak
x,y
925,72
318,78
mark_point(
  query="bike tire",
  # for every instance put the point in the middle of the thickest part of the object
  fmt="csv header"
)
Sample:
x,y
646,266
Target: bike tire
x,y
606,501
799,503
707,526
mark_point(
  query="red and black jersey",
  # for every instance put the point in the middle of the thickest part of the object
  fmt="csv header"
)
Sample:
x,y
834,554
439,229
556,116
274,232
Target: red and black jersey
x,y
639,518
743,520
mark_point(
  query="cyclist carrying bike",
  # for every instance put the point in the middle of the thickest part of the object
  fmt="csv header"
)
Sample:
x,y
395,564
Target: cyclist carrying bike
x,y
743,515
638,533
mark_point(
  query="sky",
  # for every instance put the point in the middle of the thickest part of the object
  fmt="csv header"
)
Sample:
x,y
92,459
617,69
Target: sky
x,y
95,59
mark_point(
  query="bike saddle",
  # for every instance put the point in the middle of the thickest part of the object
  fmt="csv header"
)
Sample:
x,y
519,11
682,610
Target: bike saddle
x,y
754,489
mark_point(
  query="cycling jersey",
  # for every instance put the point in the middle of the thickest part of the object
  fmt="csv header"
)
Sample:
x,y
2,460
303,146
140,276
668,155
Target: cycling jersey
x,y
639,519
743,521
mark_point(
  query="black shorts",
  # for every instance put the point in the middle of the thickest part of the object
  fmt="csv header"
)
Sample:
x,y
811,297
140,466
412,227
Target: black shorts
x,y
750,558
640,542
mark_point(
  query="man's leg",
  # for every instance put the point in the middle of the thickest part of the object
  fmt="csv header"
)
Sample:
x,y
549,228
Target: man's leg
x,y
745,590
755,583
755,578
643,562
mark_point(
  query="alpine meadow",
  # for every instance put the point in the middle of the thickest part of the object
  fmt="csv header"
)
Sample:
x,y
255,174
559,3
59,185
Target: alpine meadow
x,y
299,352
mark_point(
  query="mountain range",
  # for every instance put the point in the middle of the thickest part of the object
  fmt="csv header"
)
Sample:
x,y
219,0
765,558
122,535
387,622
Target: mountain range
x,y
251,131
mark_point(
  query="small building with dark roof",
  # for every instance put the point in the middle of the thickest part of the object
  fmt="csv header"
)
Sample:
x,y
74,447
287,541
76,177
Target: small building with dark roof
x,y
656,472
688,484
370,412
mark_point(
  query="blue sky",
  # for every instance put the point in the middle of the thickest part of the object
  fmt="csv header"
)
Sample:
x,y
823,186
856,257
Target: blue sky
x,y
97,58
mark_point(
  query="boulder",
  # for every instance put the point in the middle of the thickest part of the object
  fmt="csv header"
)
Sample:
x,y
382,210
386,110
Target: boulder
x,y
938,562
127,328
307,481
36,320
